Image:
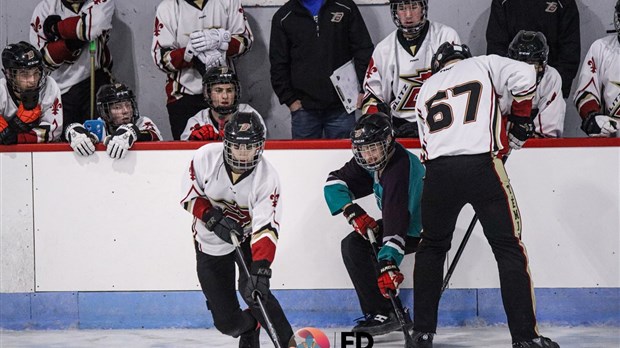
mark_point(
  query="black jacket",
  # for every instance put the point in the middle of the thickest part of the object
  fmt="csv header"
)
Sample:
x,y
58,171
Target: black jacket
x,y
558,20
304,53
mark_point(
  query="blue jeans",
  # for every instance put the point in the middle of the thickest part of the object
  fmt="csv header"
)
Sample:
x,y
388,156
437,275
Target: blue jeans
x,y
317,124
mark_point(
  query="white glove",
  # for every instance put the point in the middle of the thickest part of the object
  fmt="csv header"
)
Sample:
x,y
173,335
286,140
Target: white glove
x,y
599,126
80,139
210,39
190,52
212,58
519,133
119,144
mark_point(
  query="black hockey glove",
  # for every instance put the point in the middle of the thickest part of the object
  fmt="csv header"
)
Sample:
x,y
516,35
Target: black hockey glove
x,y
50,28
520,130
597,125
258,284
222,225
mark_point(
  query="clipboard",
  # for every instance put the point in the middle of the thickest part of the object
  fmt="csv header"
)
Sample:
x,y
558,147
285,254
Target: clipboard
x,y
347,86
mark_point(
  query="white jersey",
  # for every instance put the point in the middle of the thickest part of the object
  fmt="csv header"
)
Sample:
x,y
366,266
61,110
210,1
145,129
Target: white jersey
x,y
50,127
253,201
202,118
598,87
144,124
548,105
175,20
92,22
458,109
395,77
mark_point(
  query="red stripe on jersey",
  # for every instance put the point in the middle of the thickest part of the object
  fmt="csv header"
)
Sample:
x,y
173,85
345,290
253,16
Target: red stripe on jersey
x,y
58,51
591,106
522,108
176,59
234,46
264,249
67,28
201,205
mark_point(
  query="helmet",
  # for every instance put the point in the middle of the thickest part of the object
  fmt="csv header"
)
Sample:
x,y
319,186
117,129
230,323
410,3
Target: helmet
x,y
617,18
530,47
244,141
20,61
372,139
447,52
221,75
413,30
110,94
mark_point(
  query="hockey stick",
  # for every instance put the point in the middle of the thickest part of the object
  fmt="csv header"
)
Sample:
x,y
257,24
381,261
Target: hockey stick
x,y
92,48
398,308
270,327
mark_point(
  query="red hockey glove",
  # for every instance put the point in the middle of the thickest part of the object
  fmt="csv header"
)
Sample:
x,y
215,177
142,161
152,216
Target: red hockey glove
x,y
204,133
389,278
25,119
7,135
361,222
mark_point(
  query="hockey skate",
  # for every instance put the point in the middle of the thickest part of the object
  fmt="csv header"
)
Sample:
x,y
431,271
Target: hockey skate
x,y
539,342
381,324
250,339
422,339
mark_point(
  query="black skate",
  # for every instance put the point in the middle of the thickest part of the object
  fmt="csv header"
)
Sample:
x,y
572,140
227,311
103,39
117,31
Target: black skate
x,y
422,339
378,324
539,342
250,339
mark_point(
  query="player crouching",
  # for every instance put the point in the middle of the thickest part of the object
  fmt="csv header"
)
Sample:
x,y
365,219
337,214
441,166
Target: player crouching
x,y
120,124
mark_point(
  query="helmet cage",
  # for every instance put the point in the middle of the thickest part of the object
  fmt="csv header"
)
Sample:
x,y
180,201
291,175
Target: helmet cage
x,y
244,142
373,156
416,29
217,76
530,47
113,94
20,61
372,139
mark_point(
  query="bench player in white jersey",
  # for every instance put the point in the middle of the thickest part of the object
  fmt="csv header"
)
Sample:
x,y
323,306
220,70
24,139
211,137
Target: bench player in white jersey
x,y
548,106
402,62
598,89
62,30
222,91
122,124
30,102
230,188
459,122
189,37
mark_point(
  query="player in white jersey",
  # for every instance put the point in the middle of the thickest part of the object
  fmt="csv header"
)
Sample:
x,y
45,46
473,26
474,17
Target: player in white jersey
x,y
189,37
30,102
222,91
230,188
548,106
62,30
598,88
121,124
459,123
401,62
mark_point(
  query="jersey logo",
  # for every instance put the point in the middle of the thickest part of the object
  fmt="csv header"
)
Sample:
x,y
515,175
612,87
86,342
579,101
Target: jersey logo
x,y
371,68
592,65
56,106
158,27
274,198
551,7
337,16
236,213
406,98
192,173
36,25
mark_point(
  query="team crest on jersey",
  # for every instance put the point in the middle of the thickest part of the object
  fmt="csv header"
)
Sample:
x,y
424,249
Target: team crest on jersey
x,y
337,16
274,198
56,106
551,7
158,27
592,65
406,98
239,214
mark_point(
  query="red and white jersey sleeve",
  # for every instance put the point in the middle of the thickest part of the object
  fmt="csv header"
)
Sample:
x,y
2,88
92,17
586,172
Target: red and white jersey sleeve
x,y
146,124
50,126
458,111
395,77
202,118
598,86
92,22
254,201
175,21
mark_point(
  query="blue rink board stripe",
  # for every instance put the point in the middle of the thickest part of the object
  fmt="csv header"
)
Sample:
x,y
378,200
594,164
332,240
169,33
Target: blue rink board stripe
x,y
320,308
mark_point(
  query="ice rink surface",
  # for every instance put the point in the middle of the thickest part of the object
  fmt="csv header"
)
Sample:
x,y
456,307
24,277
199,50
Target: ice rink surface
x,y
453,337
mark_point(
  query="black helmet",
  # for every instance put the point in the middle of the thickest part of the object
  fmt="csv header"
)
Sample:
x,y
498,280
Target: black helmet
x,y
110,94
22,56
530,47
447,52
221,75
416,29
245,135
372,138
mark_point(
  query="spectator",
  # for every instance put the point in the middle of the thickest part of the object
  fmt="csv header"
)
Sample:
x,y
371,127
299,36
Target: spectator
x,y
30,102
309,40
557,20
189,37
402,62
598,93
62,31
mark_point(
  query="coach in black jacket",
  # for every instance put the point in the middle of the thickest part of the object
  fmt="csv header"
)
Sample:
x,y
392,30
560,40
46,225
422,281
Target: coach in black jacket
x,y
558,20
308,42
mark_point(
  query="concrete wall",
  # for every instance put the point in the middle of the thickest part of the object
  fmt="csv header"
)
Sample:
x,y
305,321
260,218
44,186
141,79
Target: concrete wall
x,y
132,34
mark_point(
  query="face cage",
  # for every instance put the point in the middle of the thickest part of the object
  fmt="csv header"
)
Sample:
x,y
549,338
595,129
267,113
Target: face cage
x,y
415,30
222,110
11,80
243,165
380,147
105,113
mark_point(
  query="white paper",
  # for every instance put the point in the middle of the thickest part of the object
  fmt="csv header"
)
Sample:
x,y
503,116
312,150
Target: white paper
x,y
346,84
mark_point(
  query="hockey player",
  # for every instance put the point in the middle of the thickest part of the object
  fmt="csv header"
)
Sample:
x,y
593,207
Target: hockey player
x,y
548,106
459,124
123,125
30,103
230,188
221,91
385,168
598,89
189,37
402,62
62,30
